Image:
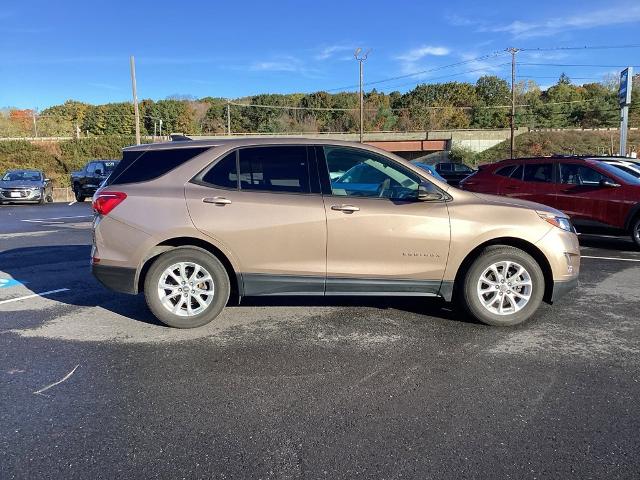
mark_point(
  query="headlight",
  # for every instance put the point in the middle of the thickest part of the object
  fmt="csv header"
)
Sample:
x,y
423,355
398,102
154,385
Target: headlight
x,y
561,222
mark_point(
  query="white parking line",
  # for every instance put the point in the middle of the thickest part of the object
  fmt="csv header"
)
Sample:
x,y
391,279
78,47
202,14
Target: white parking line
x,y
47,220
612,258
41,294
71,203
40,233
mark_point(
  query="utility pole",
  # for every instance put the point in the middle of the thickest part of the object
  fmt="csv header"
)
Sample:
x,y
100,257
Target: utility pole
x,y
132,63
228,117
35,125
160,123
512,123
361,59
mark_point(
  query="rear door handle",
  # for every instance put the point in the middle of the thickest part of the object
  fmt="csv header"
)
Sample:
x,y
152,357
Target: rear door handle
x,y
345,208
217,200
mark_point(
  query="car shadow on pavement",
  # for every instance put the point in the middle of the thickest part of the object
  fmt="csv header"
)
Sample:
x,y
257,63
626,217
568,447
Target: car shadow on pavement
x,y
616,244
45,268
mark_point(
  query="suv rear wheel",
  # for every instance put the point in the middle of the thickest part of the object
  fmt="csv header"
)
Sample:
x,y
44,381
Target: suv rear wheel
x,y
78,194
503,287
635,231
186,287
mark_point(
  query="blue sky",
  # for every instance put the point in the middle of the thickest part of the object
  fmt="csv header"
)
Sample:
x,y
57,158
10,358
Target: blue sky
x,y
53,51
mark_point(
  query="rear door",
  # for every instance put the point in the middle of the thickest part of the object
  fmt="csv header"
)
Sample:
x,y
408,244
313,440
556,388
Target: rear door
x,y
539,180
263,204
379,238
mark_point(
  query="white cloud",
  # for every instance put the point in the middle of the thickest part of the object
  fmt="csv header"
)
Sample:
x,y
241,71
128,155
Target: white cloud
x,y
419,53
330,51
281,66
618,15
409,61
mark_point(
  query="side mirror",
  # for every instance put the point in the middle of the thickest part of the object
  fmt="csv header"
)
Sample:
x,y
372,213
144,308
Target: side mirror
x,y
605,182
47,180
426,195
98,171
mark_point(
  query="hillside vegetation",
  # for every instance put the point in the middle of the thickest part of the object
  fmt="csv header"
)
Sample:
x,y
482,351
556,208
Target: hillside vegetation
x,y
449,105
58,159
565,142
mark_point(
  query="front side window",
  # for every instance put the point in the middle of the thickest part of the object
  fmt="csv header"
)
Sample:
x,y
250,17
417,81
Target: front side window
x,y
91,168
506,171
538,172
517,173
359,173
574,174
275,169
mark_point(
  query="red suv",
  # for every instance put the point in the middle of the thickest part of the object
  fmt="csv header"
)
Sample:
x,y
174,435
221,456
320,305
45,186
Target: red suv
x,y
599,197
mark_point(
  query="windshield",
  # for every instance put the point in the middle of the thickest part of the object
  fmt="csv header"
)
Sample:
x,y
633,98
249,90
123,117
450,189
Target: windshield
x,y
631,170
619,173
22,175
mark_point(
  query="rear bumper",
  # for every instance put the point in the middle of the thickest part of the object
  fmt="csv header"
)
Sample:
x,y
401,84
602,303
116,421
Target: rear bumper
x,y
562,287
119,279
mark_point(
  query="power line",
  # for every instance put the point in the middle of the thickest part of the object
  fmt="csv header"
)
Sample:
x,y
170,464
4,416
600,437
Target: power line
x,y
585,47
422,72
576,65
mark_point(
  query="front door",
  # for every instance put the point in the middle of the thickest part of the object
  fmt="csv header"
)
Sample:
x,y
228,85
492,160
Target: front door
x,y
379,238
267,217
582,196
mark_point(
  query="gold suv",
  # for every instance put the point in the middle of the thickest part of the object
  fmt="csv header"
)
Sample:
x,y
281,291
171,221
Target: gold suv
x,y
192,223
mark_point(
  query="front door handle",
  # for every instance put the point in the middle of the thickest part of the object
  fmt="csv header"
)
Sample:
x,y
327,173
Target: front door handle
x,y
217,200
345,208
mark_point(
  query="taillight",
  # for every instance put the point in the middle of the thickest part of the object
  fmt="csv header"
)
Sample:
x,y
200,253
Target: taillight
x,y
107,201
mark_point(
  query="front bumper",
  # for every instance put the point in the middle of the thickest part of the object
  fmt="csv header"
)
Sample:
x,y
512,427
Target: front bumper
x,y
24,195
561,288
118,279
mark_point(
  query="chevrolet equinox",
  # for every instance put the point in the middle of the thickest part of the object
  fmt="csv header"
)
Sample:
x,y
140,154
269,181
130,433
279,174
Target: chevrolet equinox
x,y
191,223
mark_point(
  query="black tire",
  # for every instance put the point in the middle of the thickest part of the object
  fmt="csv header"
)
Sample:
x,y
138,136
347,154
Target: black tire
x,y
635,231
469,289
49,199
79,196
201,257
42,198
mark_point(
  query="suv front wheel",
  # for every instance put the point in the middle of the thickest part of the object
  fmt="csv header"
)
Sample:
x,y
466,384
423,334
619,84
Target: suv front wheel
x,y
186,287
635,231
504,286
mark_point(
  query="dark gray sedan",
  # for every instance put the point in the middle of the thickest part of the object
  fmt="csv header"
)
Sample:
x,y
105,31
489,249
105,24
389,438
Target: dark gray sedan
x,y
25,186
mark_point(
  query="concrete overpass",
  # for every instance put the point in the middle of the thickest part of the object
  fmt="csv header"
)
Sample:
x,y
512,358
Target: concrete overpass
x,y
406,144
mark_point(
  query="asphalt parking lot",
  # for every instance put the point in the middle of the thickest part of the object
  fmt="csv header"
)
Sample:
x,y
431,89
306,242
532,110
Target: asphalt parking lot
x,y
91,386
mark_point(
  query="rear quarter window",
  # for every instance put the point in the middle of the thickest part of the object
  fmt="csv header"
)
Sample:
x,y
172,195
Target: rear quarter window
x,y
142,166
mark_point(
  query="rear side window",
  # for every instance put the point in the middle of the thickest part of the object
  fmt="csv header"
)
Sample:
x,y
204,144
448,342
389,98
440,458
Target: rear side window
x,y
145,165
538,172
224,173
274,169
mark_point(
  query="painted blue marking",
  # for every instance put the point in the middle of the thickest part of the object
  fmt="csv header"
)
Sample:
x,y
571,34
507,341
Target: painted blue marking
x,y
9,282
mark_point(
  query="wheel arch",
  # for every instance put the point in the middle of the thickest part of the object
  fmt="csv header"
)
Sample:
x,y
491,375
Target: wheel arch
x,y
633,214
172,243
523,245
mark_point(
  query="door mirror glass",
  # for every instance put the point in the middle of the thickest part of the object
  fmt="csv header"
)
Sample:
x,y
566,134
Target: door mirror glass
x,y
98,171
